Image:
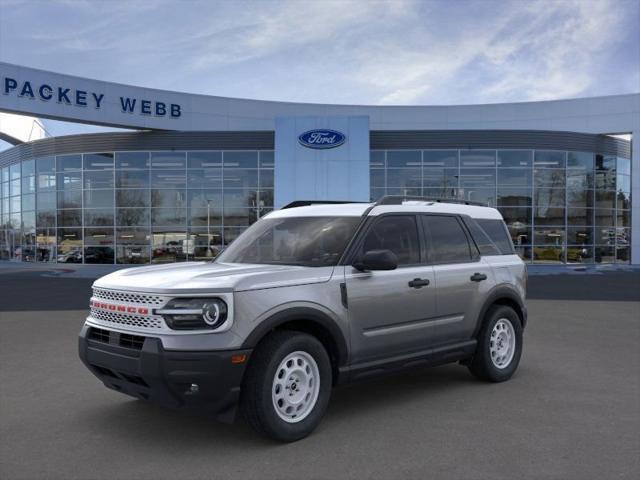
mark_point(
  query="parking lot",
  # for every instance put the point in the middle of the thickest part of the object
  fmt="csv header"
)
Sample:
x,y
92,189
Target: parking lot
x,y
571,411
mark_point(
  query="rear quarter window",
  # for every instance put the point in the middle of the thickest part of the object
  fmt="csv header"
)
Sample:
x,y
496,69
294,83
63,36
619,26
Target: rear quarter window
x,y
485,245
496,230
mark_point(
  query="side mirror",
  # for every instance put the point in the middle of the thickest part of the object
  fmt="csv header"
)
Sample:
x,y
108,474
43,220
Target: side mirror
x,y
377,260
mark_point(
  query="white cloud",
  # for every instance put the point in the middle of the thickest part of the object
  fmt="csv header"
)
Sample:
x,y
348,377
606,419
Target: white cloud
x,y
386,52
532,51
553,54
265,29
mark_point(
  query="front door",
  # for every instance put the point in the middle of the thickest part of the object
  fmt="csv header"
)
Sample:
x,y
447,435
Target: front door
x,y
390,311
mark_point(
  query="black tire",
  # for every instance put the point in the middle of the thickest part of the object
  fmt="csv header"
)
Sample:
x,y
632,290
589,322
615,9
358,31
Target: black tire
x,y
256,397
482,365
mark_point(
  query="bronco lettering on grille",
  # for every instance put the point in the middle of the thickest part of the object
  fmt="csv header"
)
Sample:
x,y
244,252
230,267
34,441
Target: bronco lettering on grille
x,y
119,308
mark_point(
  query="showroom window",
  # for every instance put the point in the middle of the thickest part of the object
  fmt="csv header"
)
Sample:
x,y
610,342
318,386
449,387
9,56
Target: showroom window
x,y
131,207
559,206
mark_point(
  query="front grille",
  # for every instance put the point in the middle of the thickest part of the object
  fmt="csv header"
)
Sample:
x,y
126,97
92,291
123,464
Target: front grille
x,y
137,321
99,335
132,298
131,341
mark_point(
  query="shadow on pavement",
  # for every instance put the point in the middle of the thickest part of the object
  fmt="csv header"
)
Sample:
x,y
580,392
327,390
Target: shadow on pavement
x,y
195,429
33,291
610,286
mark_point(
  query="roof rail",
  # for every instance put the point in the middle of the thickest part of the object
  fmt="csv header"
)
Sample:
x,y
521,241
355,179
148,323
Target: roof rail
x,y
399,199
306,203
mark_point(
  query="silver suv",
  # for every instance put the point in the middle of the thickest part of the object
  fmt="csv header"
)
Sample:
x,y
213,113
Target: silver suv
x,y
311,296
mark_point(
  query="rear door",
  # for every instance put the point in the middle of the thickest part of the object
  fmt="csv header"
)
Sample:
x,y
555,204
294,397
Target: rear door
x,y
462,278
390,311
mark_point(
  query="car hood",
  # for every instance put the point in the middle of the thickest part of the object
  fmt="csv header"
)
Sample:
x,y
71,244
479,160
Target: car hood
x,y
204,277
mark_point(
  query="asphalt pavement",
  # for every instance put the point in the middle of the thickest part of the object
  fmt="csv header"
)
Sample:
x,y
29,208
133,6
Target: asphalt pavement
x,y
572,411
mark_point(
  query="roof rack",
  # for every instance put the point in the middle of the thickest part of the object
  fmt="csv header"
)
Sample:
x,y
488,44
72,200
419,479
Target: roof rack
x,y
400,199
306,203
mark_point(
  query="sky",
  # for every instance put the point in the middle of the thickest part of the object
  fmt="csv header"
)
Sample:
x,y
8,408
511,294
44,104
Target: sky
x,y
396,52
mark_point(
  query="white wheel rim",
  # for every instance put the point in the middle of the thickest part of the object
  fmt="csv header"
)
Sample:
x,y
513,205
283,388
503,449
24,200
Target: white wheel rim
x,y
296,386
502,345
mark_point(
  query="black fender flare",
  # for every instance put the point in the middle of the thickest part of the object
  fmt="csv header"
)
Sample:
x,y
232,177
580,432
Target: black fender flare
x,y
498,293
302,314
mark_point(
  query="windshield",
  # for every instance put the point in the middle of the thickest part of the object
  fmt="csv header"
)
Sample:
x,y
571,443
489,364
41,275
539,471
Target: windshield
x,y
305,241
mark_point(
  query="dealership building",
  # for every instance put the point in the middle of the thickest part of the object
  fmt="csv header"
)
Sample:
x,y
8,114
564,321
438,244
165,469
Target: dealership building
x,y
194,171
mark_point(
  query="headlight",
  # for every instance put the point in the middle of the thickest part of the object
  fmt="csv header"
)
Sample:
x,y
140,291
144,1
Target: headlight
x,y
194,313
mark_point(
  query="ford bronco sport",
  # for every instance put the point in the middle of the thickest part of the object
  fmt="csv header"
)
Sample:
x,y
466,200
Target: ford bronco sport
x,y
310,296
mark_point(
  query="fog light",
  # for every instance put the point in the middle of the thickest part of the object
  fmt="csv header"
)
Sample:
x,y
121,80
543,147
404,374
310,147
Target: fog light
x,y
193,389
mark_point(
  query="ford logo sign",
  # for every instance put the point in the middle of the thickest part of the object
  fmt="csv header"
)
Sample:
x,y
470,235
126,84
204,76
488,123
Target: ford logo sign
x,y
322,138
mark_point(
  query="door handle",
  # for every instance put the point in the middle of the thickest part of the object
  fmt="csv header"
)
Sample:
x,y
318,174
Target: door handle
x,y
418,283
478,277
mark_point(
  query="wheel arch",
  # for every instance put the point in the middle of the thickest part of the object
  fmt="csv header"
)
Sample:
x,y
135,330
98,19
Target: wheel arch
x,y
307,320
502,295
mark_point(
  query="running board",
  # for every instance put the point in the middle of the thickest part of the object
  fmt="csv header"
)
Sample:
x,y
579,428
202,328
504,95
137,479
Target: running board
x,y
432,357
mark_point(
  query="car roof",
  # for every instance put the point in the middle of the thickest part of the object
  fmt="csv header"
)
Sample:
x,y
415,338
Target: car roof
x,y
359,209
323,210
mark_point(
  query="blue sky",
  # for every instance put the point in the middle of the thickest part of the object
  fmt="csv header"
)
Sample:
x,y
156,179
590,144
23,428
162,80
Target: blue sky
x,y
364,52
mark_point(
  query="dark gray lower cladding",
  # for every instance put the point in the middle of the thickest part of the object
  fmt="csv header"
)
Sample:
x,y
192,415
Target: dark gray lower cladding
x,y
264,140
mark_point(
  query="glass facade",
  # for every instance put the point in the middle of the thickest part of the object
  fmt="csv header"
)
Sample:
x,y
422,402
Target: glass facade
x,y
166,206
560,207
131,207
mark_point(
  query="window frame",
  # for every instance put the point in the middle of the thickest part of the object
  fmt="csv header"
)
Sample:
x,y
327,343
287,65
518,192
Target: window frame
x,y
354,249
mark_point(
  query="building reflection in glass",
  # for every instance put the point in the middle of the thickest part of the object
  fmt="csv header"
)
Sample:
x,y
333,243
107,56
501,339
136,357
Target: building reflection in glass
x,y
559,206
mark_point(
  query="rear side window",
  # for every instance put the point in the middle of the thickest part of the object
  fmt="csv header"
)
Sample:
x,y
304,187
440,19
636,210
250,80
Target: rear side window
x,y
480,237
498,234
398,234
447,241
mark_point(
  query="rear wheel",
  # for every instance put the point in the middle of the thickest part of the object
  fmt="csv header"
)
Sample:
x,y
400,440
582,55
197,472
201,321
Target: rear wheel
x,y
287,386
499,345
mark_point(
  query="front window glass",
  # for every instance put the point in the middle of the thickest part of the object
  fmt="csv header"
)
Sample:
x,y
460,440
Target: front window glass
x,y
304,241
398,234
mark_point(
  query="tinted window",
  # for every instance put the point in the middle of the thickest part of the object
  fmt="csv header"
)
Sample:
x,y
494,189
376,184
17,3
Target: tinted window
x,y
398,234
498,234
447,241
482,240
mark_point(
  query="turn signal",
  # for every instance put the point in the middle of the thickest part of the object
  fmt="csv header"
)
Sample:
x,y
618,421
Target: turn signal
x,y
238,358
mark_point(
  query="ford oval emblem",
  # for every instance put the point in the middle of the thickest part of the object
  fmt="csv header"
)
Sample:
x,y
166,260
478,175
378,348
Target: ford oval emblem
x,y
322,138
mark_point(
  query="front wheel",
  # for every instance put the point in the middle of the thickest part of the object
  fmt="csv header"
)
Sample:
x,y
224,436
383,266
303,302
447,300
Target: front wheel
x,y
287,386
499,345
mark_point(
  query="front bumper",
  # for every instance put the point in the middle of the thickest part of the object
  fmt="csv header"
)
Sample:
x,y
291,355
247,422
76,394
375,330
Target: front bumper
x,y
139,366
